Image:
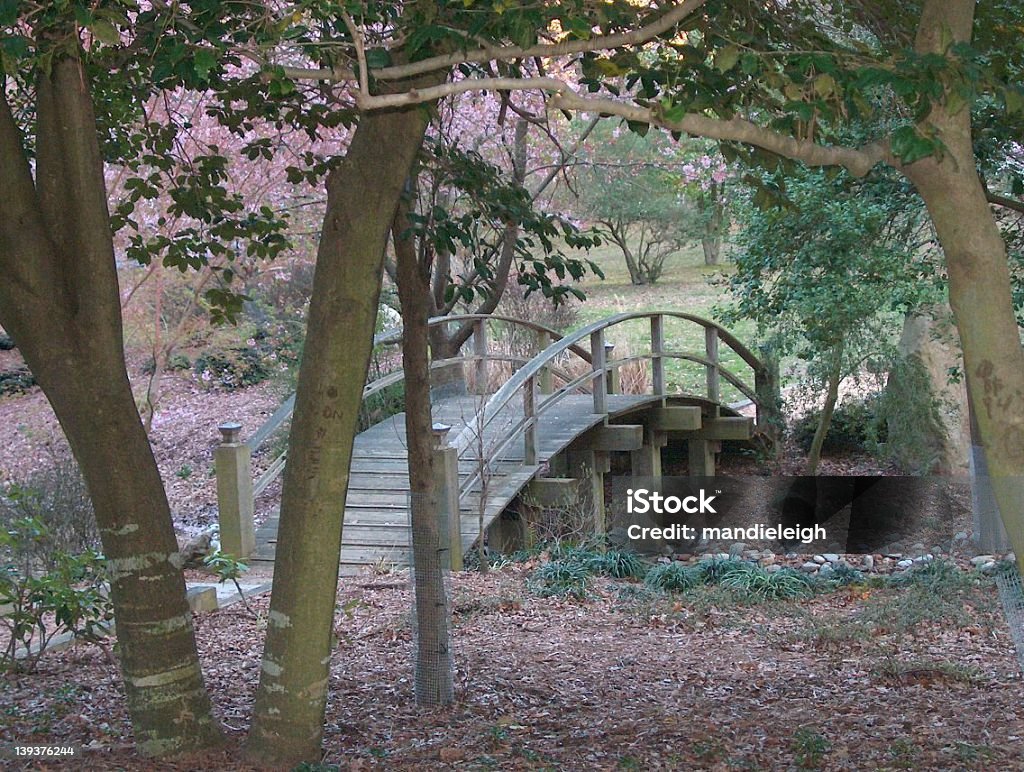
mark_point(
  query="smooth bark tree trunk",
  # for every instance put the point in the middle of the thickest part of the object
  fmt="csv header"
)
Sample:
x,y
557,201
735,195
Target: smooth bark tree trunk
x,y
835,377
711,238
433,667
362,196
979,279
60,301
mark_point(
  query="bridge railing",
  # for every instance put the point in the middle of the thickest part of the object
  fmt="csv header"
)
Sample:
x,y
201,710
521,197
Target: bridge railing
x,y
236,488
494,430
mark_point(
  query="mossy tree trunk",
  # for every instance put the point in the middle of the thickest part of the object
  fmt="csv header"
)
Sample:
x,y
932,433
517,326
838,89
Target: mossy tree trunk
x,y
59,299
979,278
362,195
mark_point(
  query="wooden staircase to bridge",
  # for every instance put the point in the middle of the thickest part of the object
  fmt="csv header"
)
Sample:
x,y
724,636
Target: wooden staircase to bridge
x,y
551,418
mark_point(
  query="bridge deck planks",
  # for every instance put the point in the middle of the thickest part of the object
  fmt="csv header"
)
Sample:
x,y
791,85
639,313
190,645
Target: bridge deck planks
x,y
377,528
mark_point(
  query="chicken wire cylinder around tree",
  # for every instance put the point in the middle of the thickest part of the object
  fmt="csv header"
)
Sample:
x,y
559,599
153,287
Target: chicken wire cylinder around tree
x,y
430,577
1011,594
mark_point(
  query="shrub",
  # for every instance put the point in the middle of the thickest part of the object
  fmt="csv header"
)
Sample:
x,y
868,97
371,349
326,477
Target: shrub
x,y
382,405
754,583
618,564
712,570
843,574
56,496
176,362
231,368
673,577
561,578
942,577
6,342
68,597
855,426
17,380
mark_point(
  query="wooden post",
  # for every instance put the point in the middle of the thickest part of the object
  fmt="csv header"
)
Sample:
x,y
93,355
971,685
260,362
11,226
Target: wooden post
x,y
597,364
546,376
713,376
657,349
480,354
590,467
612,385
702,458
446,482
232,462
530,414
646,462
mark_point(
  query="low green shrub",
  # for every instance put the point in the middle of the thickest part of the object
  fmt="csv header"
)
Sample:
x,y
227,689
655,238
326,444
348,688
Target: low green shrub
x,y
68,597
618,564
17,380
6,342
231,368
940,576
752,582
561,578
855,425
673,577
843,574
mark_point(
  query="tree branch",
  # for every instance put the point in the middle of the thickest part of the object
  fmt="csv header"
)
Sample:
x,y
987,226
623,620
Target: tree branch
x,y
23,239
1008,203
858,161
492,53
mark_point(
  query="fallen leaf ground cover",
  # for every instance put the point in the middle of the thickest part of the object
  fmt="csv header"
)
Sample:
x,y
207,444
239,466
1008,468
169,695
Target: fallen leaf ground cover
x,y
864,677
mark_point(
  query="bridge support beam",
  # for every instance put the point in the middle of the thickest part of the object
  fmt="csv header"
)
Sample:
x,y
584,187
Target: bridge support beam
x,y
619,437
675,418
509,531
646,460
701,457
590,466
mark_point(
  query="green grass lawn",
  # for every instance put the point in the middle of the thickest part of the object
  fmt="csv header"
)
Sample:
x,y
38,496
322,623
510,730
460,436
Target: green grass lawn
x,y
686,285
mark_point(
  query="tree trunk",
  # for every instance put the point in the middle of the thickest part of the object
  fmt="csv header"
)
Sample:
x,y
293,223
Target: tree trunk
x,y
711,238
979,280
433,676
619,236
835,376
362,195
60,302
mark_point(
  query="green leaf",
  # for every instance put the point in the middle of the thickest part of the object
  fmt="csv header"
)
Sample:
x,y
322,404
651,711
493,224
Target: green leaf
x,y
911,146
105,32
378,58
1014,99
726,58
203,60
824,85
8,12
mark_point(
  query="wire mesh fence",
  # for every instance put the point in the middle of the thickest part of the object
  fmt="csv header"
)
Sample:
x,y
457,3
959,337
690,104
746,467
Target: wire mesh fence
x,y
430,577
1011,595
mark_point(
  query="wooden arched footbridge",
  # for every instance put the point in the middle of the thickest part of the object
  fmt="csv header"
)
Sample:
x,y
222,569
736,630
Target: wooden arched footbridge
x,y
546,431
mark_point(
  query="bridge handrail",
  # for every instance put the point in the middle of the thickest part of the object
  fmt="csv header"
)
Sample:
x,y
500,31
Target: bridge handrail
x,y
527,375
393,335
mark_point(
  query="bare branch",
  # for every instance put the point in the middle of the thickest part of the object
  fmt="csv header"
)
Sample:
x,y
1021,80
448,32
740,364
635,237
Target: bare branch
x,y
1009,203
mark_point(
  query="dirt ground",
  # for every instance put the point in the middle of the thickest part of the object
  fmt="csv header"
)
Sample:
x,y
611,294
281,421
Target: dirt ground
x,y
622,680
